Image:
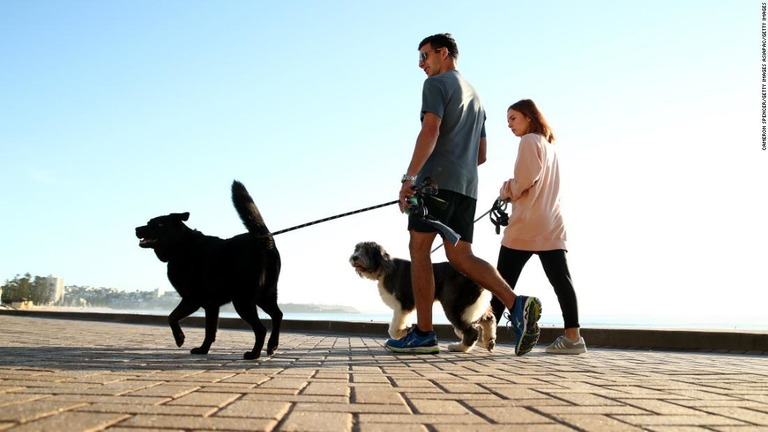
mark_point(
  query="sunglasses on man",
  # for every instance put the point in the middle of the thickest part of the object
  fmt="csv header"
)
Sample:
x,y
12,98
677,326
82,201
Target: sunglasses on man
x,y
424,54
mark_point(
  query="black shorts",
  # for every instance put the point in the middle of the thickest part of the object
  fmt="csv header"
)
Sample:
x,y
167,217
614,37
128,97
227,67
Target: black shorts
x,y
459,215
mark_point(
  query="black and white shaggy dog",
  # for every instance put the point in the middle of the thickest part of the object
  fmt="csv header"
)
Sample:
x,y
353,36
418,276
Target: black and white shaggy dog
x,y
209,272
466,304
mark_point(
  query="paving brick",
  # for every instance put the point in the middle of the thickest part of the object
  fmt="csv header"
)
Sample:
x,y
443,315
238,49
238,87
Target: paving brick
x,y
752,416
246,378
376,395
438,407
28,411
514,415
202,411
355,408
112,400
205,399
325,388
500,428
597,422
72,421
132,429
293,398
17,398
681,420
198,423
426,419
253,408
165,390
656,406
315,421
379,427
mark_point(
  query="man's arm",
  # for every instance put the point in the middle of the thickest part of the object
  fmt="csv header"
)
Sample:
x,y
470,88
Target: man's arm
x,y
481,155
425,145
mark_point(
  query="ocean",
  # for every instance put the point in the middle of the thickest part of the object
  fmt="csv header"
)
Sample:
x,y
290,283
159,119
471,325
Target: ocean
x,y
587,321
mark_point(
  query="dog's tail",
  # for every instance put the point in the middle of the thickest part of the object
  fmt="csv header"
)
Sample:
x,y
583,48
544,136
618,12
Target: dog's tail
x,y
248,211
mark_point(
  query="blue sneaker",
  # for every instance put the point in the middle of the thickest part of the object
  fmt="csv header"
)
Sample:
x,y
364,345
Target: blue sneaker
x,y
413,343
524,318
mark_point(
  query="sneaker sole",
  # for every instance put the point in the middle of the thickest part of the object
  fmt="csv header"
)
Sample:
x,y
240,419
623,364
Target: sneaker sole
x,y
567,352
415,350
531,330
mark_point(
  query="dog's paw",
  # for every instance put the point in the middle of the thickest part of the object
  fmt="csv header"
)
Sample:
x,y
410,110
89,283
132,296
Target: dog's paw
x,y
199,351
491,345
271,350
179,338
251,355
458,347
399,333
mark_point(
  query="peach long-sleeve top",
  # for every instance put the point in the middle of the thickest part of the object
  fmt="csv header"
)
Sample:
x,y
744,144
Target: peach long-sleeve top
x,y
535,223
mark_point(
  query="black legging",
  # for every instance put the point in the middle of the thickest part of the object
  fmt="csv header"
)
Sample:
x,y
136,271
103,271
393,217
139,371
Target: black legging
x,y
510,265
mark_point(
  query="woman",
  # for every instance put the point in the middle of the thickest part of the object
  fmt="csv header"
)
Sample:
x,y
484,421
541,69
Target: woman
x,y
536,225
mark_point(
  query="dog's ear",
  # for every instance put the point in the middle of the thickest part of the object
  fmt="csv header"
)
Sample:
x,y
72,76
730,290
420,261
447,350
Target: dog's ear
x,y
181,216
384,253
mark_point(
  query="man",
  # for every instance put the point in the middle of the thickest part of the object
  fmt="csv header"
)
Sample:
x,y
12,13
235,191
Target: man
x,y
449,147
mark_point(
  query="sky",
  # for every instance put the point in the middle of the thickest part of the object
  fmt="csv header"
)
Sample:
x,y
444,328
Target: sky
x,y
114,112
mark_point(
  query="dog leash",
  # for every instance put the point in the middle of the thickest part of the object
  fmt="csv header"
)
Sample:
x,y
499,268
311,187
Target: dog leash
x,y
426,189
497,214
330,218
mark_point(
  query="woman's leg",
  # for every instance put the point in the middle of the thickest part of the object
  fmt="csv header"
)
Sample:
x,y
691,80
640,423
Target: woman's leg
x,y
510,265
556,268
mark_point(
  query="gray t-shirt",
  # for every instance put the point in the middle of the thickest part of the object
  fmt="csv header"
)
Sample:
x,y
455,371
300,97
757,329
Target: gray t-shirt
x,y
453,163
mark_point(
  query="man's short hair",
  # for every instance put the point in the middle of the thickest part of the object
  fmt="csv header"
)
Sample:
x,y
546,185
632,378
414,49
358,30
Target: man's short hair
x,y
442,40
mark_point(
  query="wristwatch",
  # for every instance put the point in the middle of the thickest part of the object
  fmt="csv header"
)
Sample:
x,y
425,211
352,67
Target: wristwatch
x,y
406,178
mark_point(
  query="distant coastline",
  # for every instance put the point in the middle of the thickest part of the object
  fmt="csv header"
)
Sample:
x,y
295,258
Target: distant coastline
x,y
300,308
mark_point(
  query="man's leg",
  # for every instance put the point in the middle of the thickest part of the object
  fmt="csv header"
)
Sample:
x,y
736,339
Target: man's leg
x,y
422,338
422,278
480,271
524,312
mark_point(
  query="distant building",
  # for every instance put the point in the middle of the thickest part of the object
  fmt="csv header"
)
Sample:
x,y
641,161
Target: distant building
x,y
56,285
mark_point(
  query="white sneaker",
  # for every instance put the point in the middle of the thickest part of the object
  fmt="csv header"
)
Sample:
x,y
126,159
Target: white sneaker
x,y
562,345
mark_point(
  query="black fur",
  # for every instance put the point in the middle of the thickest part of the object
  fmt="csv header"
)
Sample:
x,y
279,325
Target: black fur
x,y
209,272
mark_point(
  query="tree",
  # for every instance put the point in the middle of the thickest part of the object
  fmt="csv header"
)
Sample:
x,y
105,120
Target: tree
x,y
26,288
16,289
40,291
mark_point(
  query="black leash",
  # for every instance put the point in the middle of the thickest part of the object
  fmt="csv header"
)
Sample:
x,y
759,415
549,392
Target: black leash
x,y
426,189
497,214
335,217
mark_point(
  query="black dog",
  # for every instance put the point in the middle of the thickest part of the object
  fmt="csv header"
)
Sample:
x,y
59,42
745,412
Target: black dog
x,y
209,272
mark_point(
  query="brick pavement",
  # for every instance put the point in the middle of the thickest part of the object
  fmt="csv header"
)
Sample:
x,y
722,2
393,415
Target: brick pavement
x,y
67,375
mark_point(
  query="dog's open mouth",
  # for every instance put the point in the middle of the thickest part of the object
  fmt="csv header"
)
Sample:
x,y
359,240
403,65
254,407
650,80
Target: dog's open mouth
x,y
147,242
360,269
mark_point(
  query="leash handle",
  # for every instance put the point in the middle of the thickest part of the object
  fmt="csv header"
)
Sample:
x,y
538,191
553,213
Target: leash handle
x,y
498,214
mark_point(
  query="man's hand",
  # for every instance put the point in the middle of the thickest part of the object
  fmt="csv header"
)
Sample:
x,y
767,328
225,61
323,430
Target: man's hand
x,y
406,191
